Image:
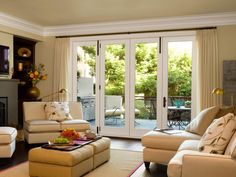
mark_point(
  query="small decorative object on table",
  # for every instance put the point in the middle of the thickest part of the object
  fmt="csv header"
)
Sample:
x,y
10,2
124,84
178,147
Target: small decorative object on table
x,y
178,103
34,76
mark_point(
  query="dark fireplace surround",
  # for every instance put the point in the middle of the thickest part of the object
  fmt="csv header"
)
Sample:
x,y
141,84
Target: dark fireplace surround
x,y
3,111
9,102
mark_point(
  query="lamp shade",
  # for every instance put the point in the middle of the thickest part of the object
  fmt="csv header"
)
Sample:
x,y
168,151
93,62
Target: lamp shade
x,y
218,91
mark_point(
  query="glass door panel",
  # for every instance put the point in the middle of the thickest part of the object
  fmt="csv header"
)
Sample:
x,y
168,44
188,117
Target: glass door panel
x,y
179,83
145,85
86,81
114,121
144,76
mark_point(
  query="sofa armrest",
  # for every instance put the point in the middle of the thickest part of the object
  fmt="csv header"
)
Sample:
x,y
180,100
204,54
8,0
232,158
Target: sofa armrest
x,y
196,164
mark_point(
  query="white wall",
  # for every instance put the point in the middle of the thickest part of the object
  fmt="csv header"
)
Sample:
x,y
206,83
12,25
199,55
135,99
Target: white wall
x,y
7,40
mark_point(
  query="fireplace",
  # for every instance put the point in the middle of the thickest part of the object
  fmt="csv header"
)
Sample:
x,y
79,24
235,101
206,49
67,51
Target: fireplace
x,y
3,111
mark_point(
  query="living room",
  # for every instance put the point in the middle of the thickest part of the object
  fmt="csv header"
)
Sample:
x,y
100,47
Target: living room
x,y
129,67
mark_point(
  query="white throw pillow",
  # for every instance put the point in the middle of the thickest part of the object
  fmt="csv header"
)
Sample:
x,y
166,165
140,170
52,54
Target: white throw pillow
x,y
218,135
57,111
202,120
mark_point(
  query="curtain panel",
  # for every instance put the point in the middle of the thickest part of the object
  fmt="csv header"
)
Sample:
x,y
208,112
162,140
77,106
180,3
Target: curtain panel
x,y
207,68
61,68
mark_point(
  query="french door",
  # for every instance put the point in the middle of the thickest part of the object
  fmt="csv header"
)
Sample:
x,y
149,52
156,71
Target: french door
x,y
125,84
114,87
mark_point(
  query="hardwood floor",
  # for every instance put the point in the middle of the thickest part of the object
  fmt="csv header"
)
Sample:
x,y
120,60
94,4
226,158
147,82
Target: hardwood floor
x,y
21,155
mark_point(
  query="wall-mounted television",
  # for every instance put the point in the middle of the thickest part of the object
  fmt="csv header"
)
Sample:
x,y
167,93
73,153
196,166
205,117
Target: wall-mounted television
x,y
4,60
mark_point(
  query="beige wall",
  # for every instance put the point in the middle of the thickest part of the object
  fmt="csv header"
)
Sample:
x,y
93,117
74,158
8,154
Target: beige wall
x,y
7,40
227,45
44,53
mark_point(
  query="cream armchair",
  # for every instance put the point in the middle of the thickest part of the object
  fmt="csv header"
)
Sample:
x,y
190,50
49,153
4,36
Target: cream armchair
x,y
38,129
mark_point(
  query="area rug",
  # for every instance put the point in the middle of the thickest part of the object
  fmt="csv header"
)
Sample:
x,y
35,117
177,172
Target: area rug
x,y
121,164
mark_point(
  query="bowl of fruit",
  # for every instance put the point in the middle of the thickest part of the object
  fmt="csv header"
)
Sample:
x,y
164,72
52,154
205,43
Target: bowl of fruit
x,y
70,133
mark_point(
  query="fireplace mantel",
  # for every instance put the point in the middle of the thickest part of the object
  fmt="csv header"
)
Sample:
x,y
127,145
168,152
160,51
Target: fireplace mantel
x,y
9,89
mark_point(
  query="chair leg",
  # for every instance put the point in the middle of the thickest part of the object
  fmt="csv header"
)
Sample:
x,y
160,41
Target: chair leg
x,y
147,165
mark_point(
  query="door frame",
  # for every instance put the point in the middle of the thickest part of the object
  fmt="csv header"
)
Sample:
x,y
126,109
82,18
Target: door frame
x,y
106,130
165,72
163,35
134,132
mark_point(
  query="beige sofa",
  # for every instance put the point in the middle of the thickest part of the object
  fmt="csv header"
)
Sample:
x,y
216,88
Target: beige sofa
x,y
161,147
37,129
188,161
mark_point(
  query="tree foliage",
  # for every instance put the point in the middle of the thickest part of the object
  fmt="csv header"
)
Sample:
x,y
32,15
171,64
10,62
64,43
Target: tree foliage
x,y
179,70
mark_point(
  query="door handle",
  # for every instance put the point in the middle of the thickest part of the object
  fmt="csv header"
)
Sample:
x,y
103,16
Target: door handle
x,y
164,102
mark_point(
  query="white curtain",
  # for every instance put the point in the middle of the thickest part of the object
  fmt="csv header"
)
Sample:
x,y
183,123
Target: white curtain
x,y
61,68
208,68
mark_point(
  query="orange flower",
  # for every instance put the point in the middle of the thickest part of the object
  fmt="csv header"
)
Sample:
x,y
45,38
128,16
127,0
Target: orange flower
x,y
36,73
31,75
44,77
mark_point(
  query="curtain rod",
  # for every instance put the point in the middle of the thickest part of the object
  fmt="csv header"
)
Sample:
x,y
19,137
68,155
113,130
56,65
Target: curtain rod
x,y
137,32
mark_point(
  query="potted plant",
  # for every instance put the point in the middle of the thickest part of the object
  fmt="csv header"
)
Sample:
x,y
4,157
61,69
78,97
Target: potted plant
x,y
187,104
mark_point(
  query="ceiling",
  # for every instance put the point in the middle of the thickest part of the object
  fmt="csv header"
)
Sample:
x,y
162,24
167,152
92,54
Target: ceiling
x,y
68,12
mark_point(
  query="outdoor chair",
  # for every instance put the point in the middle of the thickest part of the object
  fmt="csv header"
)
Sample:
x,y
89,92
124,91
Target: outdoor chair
x,y
113,108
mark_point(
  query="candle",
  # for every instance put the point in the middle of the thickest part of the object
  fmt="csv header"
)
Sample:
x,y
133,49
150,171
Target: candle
x,y
20,66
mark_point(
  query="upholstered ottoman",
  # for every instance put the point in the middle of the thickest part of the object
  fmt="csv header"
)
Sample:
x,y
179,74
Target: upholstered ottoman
x,y
7,141
101,149
50,163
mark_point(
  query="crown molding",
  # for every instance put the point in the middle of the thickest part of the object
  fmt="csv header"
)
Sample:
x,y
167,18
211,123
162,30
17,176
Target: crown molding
x,y
180,22
17,23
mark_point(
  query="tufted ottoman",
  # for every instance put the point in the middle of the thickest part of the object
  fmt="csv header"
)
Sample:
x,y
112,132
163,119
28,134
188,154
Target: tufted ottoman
x,y
49,163
101,150
7,141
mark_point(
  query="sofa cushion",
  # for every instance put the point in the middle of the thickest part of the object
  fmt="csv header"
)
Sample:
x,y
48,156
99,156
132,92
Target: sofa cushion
x,y
78,125
159,140
7,135
41,126
189,145
203,120
231,148
218,135
58,111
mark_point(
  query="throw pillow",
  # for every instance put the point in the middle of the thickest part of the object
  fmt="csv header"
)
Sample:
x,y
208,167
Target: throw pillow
x,y
57,111
231,148
218,135
202,121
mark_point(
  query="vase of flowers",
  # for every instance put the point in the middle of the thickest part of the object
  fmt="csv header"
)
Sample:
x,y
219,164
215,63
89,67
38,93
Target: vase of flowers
x,y
35,75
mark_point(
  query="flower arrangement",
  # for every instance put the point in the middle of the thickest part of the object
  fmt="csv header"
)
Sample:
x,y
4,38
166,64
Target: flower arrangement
x,y
37,74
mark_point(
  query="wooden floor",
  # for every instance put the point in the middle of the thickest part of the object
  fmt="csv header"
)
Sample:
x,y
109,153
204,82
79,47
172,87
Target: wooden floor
x,y
21,155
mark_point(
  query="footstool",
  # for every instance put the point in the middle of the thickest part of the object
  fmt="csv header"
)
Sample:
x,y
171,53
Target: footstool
x,y
101,150
7,141
49,163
